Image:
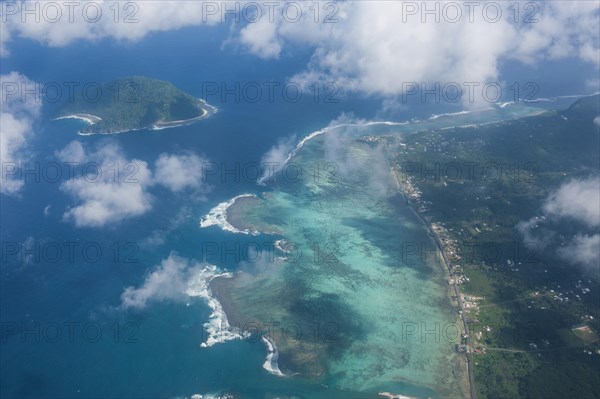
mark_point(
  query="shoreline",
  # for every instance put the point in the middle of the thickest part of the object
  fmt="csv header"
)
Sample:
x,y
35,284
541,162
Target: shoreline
x,y
221,217
431,119
218,329
235,323
390,395
207,111
217,216
87,118
448,274
203,105
271,364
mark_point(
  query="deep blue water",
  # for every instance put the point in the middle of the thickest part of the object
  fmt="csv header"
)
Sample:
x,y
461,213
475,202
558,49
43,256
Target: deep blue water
x,y
156,352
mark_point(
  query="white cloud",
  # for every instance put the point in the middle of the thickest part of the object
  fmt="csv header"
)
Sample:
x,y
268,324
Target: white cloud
x,y
110,188
134,21
4,39
12,141
261,39
597,120
593,85
535,233
372,50
18,113
369,47
167,282
107,196
370,165
155,239
159,237
179,172
391,106
583,250
577,199
274,159
73,152
177,279
105,202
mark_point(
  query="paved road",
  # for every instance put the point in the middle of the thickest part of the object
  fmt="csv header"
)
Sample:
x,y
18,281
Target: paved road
x,y
440,246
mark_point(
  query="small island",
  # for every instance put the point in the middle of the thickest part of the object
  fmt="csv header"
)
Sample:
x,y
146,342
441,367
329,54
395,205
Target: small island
x,y
134,103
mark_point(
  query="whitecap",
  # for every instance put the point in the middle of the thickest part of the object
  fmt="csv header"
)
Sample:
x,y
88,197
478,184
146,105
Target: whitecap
x,y
324,130
218,216
217,327
436,116
270,363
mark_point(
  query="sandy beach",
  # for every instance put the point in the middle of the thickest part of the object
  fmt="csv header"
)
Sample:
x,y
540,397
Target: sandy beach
x,y
88,118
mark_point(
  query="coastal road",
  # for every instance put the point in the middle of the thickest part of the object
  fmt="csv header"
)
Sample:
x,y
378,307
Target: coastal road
x,y
440,247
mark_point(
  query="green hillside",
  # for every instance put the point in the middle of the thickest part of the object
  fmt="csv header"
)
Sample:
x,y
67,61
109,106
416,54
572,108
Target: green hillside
x,y
133,103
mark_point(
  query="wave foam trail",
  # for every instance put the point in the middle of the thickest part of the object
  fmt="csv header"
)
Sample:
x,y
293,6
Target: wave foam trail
x,y
210,396
270,363
436,116
505,104
319,132
217,327
384,123
218,216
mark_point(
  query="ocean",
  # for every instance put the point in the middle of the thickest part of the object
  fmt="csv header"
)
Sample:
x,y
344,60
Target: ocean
x,y
64,332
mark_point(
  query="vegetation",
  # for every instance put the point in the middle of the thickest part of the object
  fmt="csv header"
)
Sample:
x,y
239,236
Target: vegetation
x,y
133,103
533,300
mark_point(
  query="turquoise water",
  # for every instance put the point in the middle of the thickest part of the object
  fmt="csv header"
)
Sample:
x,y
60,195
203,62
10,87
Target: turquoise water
x,y
350,308
352,311
166,359
348,280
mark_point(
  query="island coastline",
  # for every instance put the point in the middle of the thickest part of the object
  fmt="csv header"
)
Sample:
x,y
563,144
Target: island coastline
x,y
87,118
207,111
453,290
